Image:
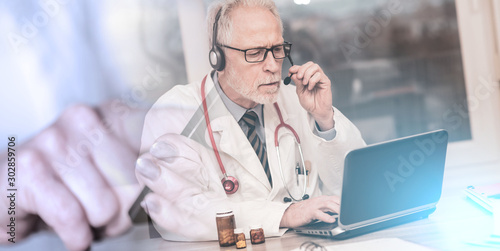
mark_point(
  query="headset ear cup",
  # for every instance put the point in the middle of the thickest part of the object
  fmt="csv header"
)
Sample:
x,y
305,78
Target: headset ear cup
x,y
216,58
222,58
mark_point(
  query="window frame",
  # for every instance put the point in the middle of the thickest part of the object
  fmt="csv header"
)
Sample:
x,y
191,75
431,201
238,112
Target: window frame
x,y
477,39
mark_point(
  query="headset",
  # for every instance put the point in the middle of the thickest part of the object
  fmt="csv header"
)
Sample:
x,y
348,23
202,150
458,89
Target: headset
x,y
216,55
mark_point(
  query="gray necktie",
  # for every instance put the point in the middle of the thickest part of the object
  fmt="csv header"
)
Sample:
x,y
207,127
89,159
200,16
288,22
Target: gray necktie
x,y
250,118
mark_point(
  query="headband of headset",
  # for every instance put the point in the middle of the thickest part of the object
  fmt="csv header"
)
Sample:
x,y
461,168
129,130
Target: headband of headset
x,y
216,55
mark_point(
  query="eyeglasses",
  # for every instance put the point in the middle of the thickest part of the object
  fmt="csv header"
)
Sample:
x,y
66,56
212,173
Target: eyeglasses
x,y
256,55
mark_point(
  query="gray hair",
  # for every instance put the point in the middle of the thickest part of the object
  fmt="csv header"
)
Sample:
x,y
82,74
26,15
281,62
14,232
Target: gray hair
x,y
225,27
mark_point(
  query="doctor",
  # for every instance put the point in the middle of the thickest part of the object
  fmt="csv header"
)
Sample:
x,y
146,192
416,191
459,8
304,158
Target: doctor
x,y
223,128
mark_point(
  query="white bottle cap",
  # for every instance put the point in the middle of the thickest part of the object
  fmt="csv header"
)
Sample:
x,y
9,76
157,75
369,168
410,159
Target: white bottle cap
x,y
224,213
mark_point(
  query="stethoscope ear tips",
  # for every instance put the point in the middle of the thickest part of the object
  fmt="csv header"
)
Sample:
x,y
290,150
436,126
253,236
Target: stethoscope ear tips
x,y
288,199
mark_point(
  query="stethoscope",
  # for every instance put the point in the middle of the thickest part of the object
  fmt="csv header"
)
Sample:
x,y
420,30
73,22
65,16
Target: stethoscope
x,y
230,183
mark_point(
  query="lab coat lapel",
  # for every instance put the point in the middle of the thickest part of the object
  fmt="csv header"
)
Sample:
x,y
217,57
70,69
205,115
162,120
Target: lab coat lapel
x,y
234,143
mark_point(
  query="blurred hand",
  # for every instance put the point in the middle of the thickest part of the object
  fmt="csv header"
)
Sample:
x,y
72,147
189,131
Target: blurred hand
x,y
174,171
77,176
315,93
306,211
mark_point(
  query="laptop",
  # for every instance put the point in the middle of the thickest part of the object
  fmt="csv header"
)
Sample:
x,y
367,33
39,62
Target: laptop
x,y
387,184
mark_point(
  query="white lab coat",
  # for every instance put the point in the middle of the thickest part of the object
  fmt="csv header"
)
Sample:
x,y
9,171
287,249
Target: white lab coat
x,y
256,202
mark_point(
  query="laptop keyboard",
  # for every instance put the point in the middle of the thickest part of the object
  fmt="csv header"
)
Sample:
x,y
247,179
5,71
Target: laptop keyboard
x,y
320,225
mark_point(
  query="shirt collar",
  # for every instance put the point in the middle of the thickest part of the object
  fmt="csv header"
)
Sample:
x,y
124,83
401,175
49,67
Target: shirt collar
x,y
236,110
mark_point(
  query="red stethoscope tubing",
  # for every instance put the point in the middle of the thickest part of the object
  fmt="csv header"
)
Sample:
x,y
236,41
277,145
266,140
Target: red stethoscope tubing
x,y
230,184
207,120
282,124
211,135
276,144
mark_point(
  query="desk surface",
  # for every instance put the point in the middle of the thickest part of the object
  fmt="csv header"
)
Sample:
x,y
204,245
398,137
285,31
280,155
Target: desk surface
x,y
455,222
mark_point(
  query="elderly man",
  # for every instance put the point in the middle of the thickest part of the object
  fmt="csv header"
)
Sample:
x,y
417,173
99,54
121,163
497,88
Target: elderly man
x,y
223,129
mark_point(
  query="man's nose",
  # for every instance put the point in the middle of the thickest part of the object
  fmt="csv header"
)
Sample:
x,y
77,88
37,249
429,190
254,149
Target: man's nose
x,y
270,63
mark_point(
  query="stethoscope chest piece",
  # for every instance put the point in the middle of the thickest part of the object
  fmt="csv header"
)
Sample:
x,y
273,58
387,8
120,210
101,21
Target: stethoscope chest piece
x,y
230,184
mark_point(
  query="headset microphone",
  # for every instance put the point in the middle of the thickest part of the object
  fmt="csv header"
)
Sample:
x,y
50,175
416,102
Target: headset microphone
x,y
287,80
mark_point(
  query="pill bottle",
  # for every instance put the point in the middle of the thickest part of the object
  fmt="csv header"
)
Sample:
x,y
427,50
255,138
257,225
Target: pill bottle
x,y
225,228
239,237
257,234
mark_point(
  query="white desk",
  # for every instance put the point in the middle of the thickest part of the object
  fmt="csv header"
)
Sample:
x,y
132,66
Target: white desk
x,y
455,222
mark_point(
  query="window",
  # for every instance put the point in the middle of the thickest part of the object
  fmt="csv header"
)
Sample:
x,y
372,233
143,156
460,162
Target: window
x,y
402,67
396,66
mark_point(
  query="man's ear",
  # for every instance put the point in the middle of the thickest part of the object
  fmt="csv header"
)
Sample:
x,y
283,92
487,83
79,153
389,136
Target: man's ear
x,y
221,75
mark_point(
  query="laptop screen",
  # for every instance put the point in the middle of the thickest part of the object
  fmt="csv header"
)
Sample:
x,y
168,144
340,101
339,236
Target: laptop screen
x,y
394,176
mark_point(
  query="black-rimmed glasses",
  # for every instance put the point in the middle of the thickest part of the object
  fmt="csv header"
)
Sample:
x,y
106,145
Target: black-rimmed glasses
x,y
256,55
